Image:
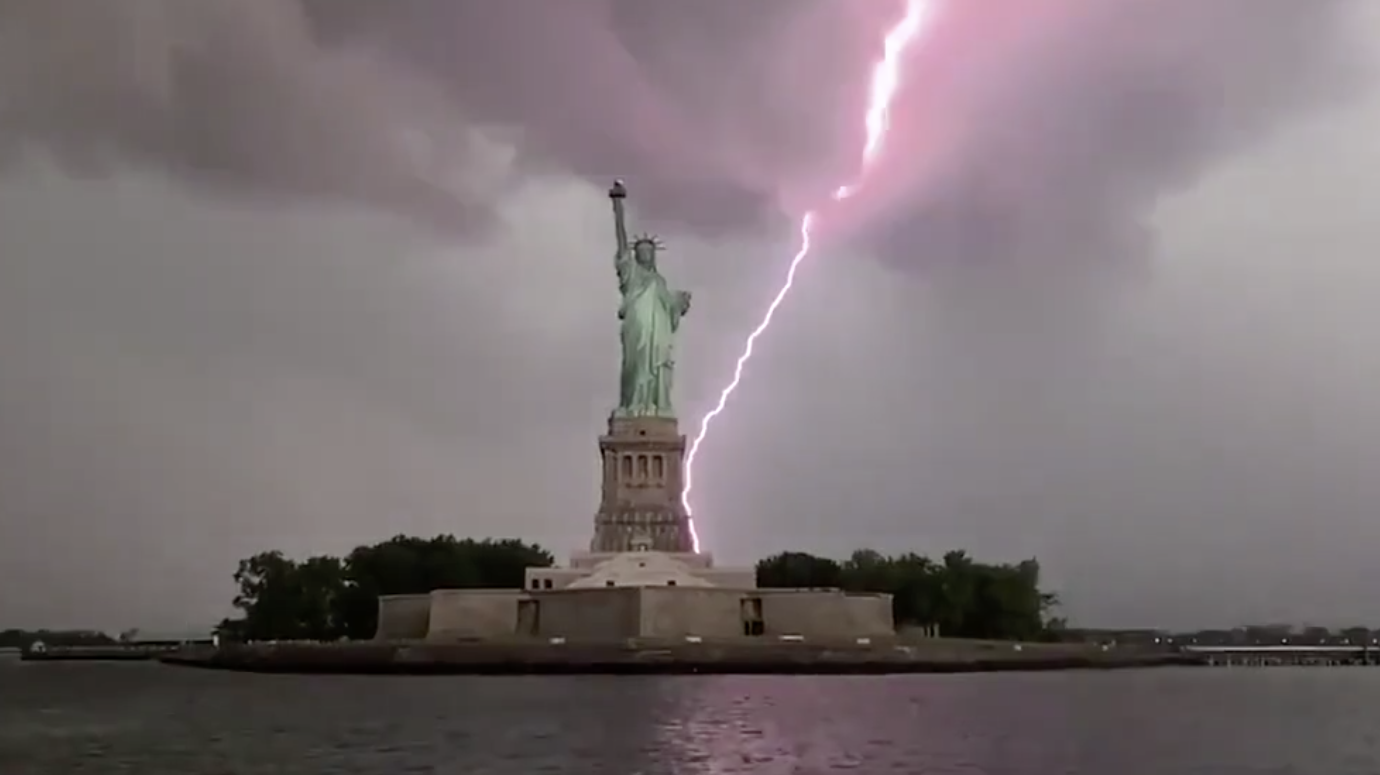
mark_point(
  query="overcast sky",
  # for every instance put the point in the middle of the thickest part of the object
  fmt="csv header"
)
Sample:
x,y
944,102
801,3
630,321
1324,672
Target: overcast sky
x,y
288,274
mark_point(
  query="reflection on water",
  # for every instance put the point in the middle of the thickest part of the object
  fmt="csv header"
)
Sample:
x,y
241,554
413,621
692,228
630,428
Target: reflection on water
x,y
94,718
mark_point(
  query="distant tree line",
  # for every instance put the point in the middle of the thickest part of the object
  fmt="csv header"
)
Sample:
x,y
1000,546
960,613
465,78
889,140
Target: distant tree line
x,y
22,639
328,598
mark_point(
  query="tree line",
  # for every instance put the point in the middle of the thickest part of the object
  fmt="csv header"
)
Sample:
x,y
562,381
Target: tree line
x,y
23,639
328,598
958,596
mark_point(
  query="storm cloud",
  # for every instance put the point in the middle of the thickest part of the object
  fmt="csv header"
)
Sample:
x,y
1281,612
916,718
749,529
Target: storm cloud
x,y
1048,127
1049,131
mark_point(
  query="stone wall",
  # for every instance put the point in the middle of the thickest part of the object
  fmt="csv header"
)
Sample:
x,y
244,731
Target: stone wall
x,y
403,617
825,614
458,614
589,614
615,613
677,612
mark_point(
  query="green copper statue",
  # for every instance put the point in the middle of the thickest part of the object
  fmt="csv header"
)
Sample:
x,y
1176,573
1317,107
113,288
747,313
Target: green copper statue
x,y
651,314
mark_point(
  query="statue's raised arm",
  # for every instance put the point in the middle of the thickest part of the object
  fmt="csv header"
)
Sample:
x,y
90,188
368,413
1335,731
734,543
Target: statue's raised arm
x,y
618,194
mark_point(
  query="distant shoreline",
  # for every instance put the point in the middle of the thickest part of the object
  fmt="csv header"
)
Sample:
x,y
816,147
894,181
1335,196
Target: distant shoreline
x,y
119,653
666,658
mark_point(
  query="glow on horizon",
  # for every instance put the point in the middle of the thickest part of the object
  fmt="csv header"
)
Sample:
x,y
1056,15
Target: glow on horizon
x,y
886,79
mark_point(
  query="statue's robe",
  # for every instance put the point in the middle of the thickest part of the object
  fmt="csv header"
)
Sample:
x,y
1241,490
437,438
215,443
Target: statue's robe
x,y
651,313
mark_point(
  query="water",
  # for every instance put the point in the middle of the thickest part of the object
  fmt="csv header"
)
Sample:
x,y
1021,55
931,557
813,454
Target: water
x,y
110,718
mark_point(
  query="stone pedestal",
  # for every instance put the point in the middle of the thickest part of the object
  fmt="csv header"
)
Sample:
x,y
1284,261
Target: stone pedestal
x,y
644,472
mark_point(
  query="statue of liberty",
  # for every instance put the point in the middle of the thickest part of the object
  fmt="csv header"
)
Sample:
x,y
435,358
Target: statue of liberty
x,y
651,313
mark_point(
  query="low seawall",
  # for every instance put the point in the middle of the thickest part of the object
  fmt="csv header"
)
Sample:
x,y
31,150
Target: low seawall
x,y
527,658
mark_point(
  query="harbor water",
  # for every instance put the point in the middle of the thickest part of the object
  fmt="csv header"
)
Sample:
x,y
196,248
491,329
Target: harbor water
x,y
152,719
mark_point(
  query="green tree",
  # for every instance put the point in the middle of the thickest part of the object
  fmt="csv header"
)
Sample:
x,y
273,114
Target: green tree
x,y
324,598
318,583
1008,601
955,612
797,570
916,584
963,597
274,598
405,565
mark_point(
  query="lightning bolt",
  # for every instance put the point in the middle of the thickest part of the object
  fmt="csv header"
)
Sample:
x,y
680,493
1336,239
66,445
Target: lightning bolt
x,y
886,77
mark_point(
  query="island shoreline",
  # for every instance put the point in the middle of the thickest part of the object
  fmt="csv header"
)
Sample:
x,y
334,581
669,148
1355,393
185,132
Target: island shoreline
x,y
373,658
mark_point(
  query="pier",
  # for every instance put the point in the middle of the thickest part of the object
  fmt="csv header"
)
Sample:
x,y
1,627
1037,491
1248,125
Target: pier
x,y
1285,655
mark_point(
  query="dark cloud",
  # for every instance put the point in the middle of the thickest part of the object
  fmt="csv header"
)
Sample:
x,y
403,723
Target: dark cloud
x,y
238,96
1045,128
375,102
1050,130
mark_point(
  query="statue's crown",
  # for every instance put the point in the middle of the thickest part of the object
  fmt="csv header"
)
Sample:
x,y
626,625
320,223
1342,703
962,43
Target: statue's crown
x,y
649,239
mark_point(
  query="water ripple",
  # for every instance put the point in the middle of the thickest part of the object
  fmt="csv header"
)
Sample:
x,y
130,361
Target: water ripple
x,y
92,718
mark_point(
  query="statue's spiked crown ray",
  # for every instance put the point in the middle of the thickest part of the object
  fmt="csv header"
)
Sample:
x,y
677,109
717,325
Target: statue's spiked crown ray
x,y
649,239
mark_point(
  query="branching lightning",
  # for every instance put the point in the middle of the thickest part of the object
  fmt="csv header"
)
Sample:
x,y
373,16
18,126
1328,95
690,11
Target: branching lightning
x,y
886,76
